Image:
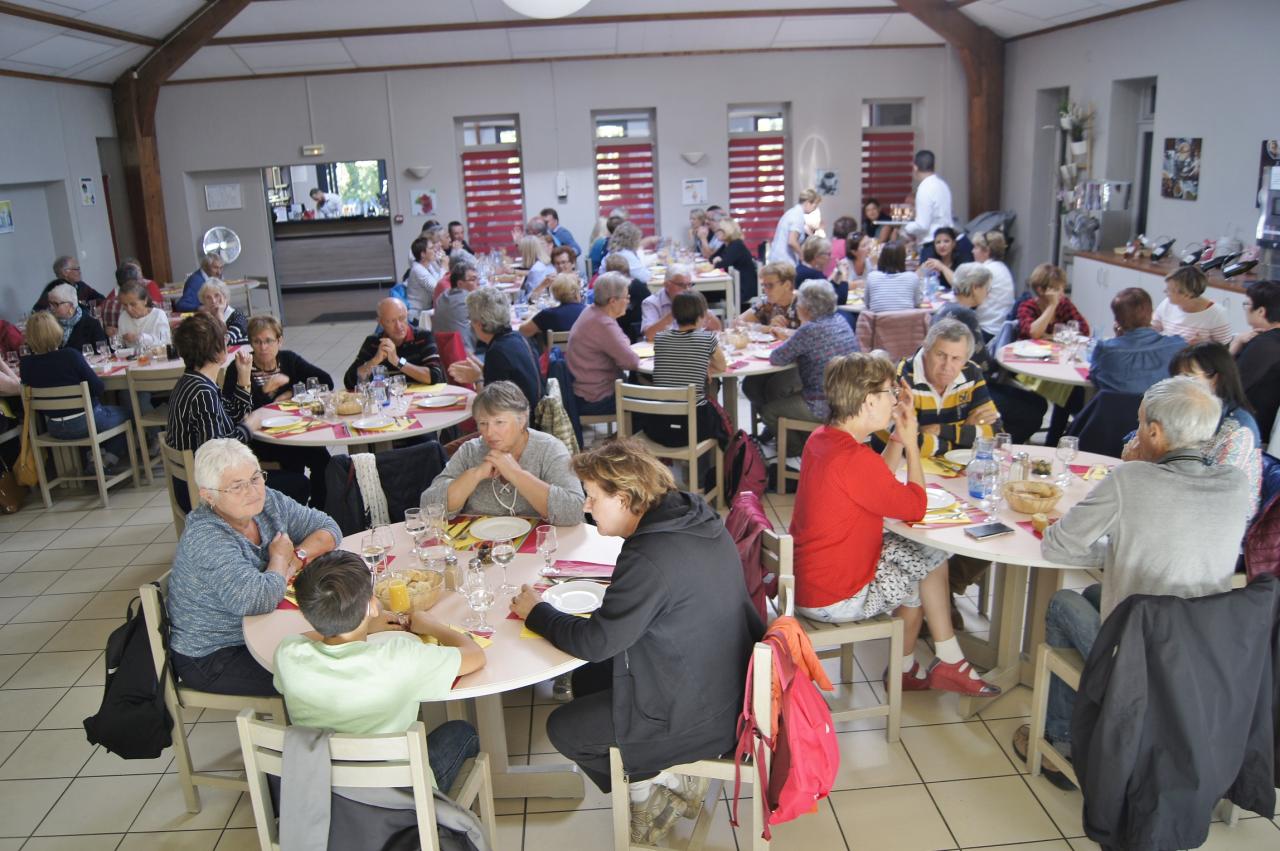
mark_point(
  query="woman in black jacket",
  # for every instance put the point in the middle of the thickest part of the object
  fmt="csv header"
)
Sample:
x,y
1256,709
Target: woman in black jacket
x,y
735,254
668,647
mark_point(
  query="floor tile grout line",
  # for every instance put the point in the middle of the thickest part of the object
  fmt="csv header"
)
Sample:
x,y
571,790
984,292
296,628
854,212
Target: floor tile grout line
x,y
955,842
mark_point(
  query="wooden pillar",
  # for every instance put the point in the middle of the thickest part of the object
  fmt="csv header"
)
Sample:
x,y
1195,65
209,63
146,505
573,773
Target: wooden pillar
x,y
981,54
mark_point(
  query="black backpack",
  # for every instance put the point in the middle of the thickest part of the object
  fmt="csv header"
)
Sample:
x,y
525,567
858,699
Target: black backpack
x,y
132,722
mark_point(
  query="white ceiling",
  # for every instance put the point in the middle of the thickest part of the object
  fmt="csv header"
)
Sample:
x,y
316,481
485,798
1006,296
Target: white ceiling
x,y
40,48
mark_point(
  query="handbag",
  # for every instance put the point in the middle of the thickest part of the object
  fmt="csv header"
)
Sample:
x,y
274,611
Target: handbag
x,y
25,467
12,494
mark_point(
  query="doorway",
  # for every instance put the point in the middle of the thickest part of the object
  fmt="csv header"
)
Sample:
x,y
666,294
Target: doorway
x,y
1043,232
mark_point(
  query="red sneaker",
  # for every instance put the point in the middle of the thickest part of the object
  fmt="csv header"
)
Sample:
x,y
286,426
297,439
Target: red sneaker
x,y
954,676
910,682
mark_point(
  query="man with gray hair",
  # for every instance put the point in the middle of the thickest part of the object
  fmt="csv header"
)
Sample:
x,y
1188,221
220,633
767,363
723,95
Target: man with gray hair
x,y
210,267
66,270
655,311
1166,523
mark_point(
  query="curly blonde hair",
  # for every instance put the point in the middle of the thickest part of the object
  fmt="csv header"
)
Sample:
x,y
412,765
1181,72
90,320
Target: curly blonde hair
x,y
623,466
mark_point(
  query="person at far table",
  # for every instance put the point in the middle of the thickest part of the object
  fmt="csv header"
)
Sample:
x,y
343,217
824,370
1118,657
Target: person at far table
x,y
237,552
508,356
274,370
78,325
559,232
791,230
599,351
989,249
451,306
600,244
128,272
424,273
138,317
211,266
399,347
655,312
215,300
848,567
667,650
734,254
1257,352
815,257
66,270
458,239
566,289
1163,523
510,469
1187,312
637,292
333,679
10,338
1138,355
870,215
946,256
891,286
328,205
626,240
1037,316
970,285
776,307
685,354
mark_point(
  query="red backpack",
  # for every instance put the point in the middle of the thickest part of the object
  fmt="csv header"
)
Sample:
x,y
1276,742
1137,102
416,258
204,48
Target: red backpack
x,y
805,754
744,467
747,522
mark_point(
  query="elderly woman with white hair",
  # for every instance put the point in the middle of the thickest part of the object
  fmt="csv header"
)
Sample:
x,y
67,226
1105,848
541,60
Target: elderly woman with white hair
x,y
215,300
599,351
509,470
78,325
970,284
508,356
237,553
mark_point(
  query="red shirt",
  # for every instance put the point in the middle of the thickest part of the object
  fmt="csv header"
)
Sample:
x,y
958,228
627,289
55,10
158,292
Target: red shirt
x,y
1029,311
846,492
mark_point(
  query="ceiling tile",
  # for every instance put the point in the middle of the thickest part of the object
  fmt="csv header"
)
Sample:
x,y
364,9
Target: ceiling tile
x,y
17,34
155,18
664,36
907,29
1049,10
492,10
62,51
313,15
428,48
111,68
294,55
216,61
563,41
1003,22
846,29
71,8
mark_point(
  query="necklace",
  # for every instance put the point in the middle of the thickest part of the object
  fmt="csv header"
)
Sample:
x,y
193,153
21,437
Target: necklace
x,y
507,488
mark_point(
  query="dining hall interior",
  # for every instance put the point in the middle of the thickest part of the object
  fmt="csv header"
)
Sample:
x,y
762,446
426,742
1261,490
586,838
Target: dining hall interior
x,y
952,327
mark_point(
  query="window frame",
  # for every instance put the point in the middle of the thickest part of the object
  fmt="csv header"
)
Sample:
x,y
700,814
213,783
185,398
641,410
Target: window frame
x,y
648,224
762,222
486,238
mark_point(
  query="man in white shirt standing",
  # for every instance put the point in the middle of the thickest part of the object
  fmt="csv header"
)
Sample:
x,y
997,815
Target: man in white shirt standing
x,y
791,229
933,208
328,205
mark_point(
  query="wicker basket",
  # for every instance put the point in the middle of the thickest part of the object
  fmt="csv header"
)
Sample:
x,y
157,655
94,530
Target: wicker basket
x,y
425,588
1032,497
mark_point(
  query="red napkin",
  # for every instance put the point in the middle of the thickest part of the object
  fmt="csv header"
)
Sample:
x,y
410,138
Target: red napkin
x,y
1083,371
539,587
340,431
529,544
569,567
738,364
1027,524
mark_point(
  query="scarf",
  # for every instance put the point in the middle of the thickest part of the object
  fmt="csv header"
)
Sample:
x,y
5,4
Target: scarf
x,y
70,323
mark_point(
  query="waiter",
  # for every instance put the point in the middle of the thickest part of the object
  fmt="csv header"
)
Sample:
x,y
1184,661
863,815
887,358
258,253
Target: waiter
x,y
933,208
328,205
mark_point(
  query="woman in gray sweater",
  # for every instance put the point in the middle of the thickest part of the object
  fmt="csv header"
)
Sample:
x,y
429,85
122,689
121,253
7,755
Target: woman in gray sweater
x,y
237,552
509,470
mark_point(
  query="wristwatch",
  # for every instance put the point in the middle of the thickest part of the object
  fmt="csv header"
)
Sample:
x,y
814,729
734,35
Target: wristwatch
x,y
301,555
402,362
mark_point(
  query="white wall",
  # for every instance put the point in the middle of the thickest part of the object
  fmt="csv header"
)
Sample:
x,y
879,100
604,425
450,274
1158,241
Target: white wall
x,y
407,118
1213,60
49,136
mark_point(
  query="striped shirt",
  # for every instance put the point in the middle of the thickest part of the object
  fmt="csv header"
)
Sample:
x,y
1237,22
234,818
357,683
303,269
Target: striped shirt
x,y
1210,324
967,393
680,358
897,291
198,412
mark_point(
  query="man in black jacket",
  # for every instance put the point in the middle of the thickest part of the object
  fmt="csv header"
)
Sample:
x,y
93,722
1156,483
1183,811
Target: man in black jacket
x,y
398,348
66,270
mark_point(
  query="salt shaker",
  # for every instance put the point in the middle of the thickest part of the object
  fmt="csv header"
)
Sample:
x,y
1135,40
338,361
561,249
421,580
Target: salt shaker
x,y
1020,467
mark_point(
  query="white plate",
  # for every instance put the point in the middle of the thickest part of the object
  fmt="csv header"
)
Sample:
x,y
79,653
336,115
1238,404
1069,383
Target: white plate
x,y
761,352
280,422
375,421
959,456
437,401
391,635
936,499
499,528
575,598
1031,349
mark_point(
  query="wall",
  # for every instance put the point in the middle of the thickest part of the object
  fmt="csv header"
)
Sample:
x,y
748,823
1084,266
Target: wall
x,y
407,118
1213,64
248,222
49,140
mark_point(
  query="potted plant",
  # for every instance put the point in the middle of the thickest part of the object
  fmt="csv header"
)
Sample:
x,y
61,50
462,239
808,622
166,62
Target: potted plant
x,y
1075,120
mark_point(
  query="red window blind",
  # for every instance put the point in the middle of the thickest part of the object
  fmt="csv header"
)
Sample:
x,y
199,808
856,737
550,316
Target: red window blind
x,y
886,165
493,186
624,178
757,185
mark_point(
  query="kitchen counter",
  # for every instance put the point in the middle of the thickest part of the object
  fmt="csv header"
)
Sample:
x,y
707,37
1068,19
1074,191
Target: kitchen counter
x,y
352,251
1165,266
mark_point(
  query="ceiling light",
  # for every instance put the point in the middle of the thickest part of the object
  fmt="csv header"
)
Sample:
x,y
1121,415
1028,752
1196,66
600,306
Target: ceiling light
x,y
545,8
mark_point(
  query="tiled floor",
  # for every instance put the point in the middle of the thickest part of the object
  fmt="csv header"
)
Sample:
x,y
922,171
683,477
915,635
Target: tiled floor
x,y
67,575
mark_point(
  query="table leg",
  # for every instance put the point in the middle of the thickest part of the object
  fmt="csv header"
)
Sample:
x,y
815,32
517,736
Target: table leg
x,y
1006,635
1045,582
730,385
520,781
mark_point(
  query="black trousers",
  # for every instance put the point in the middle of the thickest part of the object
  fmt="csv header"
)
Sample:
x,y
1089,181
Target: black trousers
x,y
582,729
230,670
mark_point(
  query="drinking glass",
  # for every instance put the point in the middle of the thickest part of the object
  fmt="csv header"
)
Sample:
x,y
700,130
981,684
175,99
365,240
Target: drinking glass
x,y
398,597
89,354
1068,448
11,358
103,349
328,400
503,552
299,391
382,538
1000,447
547,545
313,386
1073,325
414,525
1060,332
433,513
988,482
372,555
480,597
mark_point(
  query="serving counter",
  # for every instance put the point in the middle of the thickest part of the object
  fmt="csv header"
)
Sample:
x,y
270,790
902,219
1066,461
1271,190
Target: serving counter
x,y
333,252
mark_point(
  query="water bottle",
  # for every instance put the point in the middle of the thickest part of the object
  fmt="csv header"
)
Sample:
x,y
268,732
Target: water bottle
x,y
982,470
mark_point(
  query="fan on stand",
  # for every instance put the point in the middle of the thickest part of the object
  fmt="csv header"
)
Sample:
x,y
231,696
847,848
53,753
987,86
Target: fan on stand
x,y
222,242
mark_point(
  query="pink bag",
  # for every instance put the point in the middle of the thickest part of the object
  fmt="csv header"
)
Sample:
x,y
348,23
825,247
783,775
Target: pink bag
x,y
746,522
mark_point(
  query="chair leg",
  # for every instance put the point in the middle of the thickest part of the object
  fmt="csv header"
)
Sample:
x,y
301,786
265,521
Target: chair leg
x,y
134,452
147,473
1039,708
896,652
488,812
620,801
95,451
43,479
182,756
846,663
780,479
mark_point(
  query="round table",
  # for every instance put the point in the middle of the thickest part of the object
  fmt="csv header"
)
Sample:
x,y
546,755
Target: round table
x,y
1054,369
511,662
1018,556
118,379
747,366
333,435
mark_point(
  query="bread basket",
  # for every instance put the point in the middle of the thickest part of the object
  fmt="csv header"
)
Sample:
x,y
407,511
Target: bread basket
x,y
1032,497
425,588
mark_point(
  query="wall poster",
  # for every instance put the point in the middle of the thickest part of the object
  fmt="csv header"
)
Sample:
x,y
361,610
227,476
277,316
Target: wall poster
x,y
1180,168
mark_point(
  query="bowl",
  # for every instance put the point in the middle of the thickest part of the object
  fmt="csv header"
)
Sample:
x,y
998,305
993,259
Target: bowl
x,y
1032,497
425,588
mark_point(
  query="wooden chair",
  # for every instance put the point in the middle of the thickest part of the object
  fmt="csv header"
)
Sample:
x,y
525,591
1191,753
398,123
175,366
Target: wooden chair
x,y
785,425
1069,665
778,549
178,697
158,381
719,771
557,338
631,399
66,401
179,471
392,760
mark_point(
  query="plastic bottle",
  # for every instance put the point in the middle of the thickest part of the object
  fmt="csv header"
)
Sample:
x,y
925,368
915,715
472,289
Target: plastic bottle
x,y
982,470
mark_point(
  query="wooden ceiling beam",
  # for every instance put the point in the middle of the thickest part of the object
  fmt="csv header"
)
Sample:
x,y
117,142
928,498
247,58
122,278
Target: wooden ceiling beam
x,y
65,22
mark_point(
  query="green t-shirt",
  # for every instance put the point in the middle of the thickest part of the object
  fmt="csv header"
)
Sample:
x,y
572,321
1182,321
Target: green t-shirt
x,y
362,688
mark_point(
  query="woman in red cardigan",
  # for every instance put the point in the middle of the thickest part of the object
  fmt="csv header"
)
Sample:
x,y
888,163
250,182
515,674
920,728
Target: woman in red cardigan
x,y
847,566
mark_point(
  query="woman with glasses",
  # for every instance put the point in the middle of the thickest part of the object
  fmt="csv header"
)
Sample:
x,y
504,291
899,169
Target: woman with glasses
x,y
776,306
236,554
848,568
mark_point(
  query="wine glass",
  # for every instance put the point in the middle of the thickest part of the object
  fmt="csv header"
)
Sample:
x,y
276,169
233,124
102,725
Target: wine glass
x,y
480,598
103,348
503,552
1068,448
433,513
313,386
372,555
382,538
1060,333
90,354
11,358
414,525
546,540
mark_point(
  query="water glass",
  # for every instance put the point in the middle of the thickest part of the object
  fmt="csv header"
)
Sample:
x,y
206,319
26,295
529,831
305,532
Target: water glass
x,y
414,525
382,538
480,597
433,513
313,386
299,391
503,552
103,349
1068,448
89,354
547,545
1060,332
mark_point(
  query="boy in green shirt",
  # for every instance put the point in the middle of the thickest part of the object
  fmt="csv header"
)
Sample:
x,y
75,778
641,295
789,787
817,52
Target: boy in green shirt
x,y
334,679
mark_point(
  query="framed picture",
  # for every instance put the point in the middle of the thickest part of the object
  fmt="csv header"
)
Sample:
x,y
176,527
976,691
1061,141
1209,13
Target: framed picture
x,y
6,217
827,181
222,196
1180,168
1269,158
423,202
88,197
693,191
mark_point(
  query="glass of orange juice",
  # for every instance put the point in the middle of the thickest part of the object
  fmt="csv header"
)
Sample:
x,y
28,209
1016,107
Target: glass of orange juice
x,y
398,596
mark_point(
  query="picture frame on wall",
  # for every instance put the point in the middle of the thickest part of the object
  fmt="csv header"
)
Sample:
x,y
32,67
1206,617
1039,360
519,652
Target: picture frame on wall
x,y
6,217
222,196
693,191
1180,168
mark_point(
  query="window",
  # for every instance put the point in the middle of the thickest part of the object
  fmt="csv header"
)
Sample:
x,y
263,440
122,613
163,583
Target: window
x,y
625,174
888,146
492,180
757,168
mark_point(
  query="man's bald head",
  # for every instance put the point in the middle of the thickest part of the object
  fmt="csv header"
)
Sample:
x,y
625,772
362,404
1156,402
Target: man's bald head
x,y
393,316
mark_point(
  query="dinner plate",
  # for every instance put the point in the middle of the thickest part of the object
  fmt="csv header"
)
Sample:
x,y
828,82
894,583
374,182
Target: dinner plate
x,y
437,401
575,598
375,421
959,456
499,528
280,422
759,352
936,499
1031,349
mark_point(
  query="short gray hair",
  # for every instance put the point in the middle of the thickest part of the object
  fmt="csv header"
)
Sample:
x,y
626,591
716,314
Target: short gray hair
x,y
611,285
818,298
215,457
60,265
1187,410
626,237
489,307
951,330
214,285
684,270
64,292
207,260
501,396
969,277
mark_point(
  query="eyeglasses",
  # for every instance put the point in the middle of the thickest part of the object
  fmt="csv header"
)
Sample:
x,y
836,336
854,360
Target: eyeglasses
x,y
893,390
264,341
53,303
244,486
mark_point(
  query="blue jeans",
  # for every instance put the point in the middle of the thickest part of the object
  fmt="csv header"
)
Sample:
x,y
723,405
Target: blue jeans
x,y
599,407
104,417
1073,621
448,747
227,670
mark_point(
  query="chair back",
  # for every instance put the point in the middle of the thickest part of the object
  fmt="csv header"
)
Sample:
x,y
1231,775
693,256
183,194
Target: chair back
x,y
777,555
179,471
898,332
1007,334
151,381
646,399
1262,543
393,760
1103,423
557,338
153,596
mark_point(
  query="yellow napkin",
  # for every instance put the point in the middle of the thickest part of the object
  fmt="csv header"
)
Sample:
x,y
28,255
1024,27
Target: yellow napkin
x,y
525,632
296,428
1096,473
425,388
479,639
933,468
